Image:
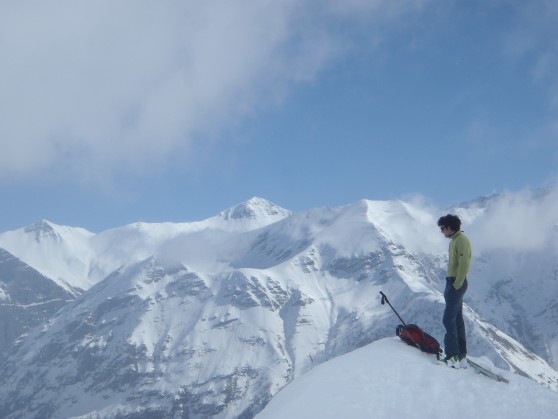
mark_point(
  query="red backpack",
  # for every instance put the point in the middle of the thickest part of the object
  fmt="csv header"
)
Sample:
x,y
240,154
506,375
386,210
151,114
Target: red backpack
x,y
414,335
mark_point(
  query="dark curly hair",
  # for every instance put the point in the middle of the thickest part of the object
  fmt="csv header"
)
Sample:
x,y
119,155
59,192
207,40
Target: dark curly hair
x,y
451,221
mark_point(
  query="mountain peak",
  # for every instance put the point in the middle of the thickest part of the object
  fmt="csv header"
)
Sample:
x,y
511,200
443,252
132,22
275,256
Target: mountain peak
x,y
43,229
255,209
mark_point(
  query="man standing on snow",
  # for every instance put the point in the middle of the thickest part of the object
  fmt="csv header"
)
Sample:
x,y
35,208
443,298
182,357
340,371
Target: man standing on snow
x,y
455,340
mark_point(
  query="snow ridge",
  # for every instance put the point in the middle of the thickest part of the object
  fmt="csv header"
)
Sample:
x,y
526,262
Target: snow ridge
x,y
373,381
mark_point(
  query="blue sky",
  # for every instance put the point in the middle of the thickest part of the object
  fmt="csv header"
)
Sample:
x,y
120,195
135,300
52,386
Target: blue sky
x,y
141,111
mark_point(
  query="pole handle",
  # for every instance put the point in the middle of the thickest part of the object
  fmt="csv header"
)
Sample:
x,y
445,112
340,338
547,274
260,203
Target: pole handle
x,y
385,300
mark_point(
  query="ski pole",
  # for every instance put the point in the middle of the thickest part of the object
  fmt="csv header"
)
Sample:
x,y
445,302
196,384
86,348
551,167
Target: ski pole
x,y
385,300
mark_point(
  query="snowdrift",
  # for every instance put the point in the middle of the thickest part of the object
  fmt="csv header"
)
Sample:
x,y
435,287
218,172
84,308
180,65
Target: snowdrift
x,y
389,379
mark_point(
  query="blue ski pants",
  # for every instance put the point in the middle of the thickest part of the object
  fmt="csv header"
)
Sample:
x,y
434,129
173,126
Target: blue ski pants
x,y
455,340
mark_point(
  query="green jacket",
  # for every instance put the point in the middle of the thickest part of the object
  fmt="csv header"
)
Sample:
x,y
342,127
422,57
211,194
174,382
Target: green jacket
x,y
459,258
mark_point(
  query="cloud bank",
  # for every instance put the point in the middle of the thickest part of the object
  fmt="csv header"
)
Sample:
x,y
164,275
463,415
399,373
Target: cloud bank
x,y
88,87
525,221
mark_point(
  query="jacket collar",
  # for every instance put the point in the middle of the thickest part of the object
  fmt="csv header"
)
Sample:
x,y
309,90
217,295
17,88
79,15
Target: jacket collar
x,y
456,235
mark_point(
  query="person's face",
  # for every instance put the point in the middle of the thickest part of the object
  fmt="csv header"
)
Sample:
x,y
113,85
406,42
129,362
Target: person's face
x,y
447,231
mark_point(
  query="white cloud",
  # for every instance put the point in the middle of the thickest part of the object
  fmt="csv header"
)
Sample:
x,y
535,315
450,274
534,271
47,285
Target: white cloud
x,y
90,86
525,221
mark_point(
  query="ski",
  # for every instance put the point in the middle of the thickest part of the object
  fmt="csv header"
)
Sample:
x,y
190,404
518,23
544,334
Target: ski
x,y
479,370
484,371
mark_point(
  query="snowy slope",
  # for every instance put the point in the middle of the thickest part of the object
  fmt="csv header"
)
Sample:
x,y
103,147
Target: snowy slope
x,y
213,318
58,252
27,298
76,259
388,379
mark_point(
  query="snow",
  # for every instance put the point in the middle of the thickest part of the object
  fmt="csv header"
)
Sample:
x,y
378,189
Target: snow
x,y
389,379
261,289
58,252
256,212
76,259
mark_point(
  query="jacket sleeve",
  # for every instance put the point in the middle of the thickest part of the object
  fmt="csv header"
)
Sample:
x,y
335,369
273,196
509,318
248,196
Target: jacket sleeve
x,y
463,255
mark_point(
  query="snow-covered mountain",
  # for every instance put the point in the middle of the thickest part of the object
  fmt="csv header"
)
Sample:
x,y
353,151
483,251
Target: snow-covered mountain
x,y
212,318
76,259
27,298
61,253
388,380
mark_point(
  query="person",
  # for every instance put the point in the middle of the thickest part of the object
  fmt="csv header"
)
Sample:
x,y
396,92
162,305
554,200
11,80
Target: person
x,y
455,340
